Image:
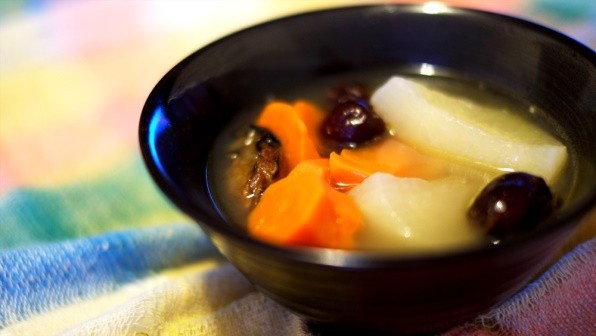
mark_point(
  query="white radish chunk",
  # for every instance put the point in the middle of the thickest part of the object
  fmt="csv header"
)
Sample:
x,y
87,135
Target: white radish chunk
x,y
460,128
415,215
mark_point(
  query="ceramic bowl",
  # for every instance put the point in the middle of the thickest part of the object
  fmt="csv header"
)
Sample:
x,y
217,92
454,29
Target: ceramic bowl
x,y
198,97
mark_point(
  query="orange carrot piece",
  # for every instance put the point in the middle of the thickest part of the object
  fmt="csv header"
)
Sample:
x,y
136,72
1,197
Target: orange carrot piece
x,y
352,166
287,124
303,209
346,172
313,118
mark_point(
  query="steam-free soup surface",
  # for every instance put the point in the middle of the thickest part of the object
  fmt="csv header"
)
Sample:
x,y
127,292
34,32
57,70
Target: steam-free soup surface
x,y
408,214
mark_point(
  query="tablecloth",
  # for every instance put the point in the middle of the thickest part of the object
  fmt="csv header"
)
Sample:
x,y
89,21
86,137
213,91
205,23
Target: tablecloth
x,y
89,245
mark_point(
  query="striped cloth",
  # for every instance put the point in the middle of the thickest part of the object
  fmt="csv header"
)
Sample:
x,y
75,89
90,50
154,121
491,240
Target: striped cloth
x,y
89,245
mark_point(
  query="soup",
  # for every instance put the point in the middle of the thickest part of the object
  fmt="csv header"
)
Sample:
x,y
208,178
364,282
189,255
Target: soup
x,y
398,189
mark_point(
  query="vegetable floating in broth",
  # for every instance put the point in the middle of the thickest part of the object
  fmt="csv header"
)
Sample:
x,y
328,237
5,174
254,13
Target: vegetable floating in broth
x,y
409,169
258,160
463,129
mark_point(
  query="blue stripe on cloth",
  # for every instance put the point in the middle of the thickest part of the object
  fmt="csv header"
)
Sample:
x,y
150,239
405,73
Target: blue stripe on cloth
x,y
42,277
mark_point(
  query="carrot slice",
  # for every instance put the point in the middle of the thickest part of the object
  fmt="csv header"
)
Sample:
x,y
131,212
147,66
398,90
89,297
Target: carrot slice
x,y
313,118
303,209
288,124
352,166
346,172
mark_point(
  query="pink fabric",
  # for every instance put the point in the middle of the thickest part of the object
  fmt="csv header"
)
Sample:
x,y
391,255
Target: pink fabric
x,y
560,302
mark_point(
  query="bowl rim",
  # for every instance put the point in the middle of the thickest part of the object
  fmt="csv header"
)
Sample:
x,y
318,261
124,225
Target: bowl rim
x,y
356,258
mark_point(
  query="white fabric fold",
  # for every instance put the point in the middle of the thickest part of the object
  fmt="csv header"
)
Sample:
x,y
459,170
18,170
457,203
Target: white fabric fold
x,y
203,299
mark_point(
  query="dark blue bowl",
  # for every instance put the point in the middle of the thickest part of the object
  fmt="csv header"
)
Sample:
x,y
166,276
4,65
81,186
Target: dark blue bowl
x,y
193,102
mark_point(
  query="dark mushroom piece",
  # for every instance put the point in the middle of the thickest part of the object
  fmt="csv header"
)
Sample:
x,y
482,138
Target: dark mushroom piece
x,y
257,160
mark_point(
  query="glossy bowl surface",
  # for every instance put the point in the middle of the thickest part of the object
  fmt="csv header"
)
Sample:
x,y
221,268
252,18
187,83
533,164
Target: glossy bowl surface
x,y
190,106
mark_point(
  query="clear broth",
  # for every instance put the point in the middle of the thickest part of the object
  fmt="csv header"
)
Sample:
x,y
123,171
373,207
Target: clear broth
x,y
229,202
